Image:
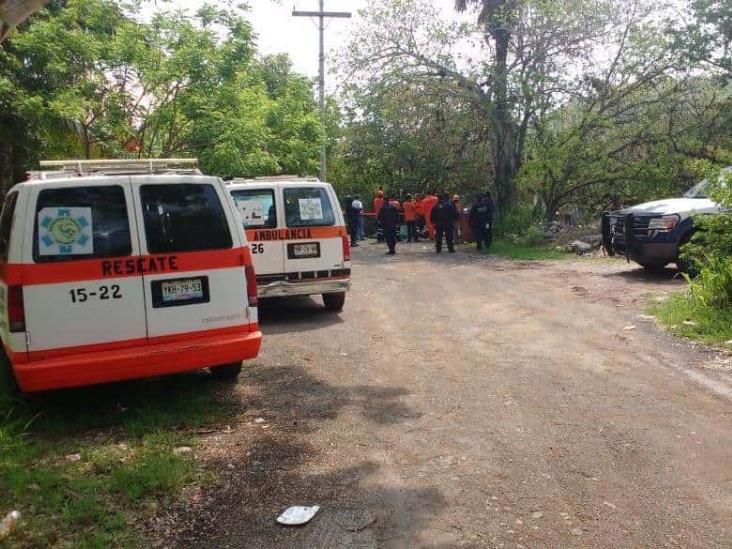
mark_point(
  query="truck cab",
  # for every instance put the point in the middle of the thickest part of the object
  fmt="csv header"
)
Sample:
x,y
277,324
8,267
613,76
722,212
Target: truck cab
x,y
652,233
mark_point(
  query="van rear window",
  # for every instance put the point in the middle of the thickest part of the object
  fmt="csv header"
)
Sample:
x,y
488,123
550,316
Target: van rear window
x,y
184,217
256,208
74,223
308,207
6,223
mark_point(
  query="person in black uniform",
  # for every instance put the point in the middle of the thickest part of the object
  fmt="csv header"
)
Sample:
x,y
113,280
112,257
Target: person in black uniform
x,y
444,215
389,220
481,221
352,220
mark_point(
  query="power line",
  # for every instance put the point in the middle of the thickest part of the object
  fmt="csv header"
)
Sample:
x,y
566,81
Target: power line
x,y
322,15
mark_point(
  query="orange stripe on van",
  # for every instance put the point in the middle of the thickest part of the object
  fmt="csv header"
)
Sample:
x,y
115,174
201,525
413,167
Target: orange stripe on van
x,y
181,338
295,233
207,348
120,267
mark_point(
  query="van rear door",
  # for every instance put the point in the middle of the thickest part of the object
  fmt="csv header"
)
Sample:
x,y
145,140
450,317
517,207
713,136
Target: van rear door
x,y
192,258
315,230
78,294
259,213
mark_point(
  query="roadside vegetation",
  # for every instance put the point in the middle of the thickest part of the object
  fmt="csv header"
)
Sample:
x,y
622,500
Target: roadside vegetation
x,y
86,467
526,251
704,310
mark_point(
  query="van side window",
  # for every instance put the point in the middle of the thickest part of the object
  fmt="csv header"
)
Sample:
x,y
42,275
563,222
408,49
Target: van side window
x,y
6,223
308,207
74,223
256,208
181,217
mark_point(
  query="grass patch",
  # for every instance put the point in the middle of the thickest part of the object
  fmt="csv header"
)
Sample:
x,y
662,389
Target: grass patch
x,y
83,465
527,252
686,317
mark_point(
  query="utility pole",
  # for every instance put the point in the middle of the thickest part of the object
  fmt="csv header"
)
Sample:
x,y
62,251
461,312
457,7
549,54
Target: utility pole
x,y
322,15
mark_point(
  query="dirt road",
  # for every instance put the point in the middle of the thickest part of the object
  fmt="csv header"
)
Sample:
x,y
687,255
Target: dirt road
x,y
463,401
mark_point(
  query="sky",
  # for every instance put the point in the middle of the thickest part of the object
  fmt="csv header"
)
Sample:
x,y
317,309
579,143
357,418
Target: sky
x,y
279,32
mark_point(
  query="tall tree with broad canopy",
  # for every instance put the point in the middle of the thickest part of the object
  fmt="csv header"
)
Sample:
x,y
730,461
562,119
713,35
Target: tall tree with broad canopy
x,y
517,60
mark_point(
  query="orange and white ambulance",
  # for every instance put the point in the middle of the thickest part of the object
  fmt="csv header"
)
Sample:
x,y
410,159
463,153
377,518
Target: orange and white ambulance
x,y
119,270
298,237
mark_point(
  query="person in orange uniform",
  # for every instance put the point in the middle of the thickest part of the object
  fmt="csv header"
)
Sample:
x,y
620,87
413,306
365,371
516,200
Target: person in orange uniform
x,y
419,210
410,218
429,202
378,202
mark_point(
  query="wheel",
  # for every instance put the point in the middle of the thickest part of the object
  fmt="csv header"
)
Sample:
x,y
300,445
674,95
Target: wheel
x,y
334,302
9,390
227,372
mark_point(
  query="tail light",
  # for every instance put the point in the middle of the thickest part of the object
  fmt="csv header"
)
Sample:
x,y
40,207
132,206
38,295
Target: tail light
x,y
346,248
251,286
16,309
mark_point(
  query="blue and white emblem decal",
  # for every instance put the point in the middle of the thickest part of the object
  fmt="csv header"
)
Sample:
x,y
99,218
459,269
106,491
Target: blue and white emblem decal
x,y
65,231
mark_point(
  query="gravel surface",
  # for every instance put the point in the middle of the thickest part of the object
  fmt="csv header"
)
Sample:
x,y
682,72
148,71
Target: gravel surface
x,y
465,401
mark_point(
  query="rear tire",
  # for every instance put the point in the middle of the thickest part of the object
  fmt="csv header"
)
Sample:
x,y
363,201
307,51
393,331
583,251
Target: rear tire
x,y
334,302
227,372
9,390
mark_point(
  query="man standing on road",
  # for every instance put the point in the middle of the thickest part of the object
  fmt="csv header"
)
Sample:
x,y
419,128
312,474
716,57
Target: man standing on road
x,y
358,211
352,221
421,222
410,218
378,202
444,216
481,221
389,221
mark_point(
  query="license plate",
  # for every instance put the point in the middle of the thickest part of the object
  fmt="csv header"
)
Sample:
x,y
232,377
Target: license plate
x,y
311,249
182,290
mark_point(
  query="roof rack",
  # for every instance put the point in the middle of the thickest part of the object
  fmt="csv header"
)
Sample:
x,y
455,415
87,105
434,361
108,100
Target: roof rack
x,y
63,168
309,179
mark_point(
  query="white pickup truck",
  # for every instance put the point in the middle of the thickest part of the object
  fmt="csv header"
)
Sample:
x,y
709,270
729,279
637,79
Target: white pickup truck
x,y
652,233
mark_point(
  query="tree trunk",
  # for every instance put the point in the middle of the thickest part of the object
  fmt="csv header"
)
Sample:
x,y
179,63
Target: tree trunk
x,y
504,154
87,142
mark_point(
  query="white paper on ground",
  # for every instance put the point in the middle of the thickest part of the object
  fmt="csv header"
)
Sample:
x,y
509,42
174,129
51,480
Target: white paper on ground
x,y
298,515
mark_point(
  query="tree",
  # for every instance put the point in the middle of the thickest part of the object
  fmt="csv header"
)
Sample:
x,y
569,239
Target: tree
x,y
91,80
412,137
519,62
498,18
54,91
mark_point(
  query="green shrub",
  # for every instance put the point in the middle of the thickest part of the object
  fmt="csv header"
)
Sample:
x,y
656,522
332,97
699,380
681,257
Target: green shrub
x,y
713,287
712,240
513,222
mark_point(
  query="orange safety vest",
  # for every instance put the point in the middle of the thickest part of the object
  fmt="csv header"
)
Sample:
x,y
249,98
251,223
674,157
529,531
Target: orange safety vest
x,y
378,202
410,210
419,207
429,202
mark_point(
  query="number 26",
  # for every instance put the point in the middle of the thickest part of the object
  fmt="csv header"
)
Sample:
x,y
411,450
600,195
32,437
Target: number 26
x,y
257,248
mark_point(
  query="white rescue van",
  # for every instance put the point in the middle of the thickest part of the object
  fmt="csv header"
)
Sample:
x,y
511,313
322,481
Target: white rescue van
x,y
118,270
298,237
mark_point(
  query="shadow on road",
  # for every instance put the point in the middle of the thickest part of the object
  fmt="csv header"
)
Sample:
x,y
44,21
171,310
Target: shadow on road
x,y
667,276
276,465
136,407
294,314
